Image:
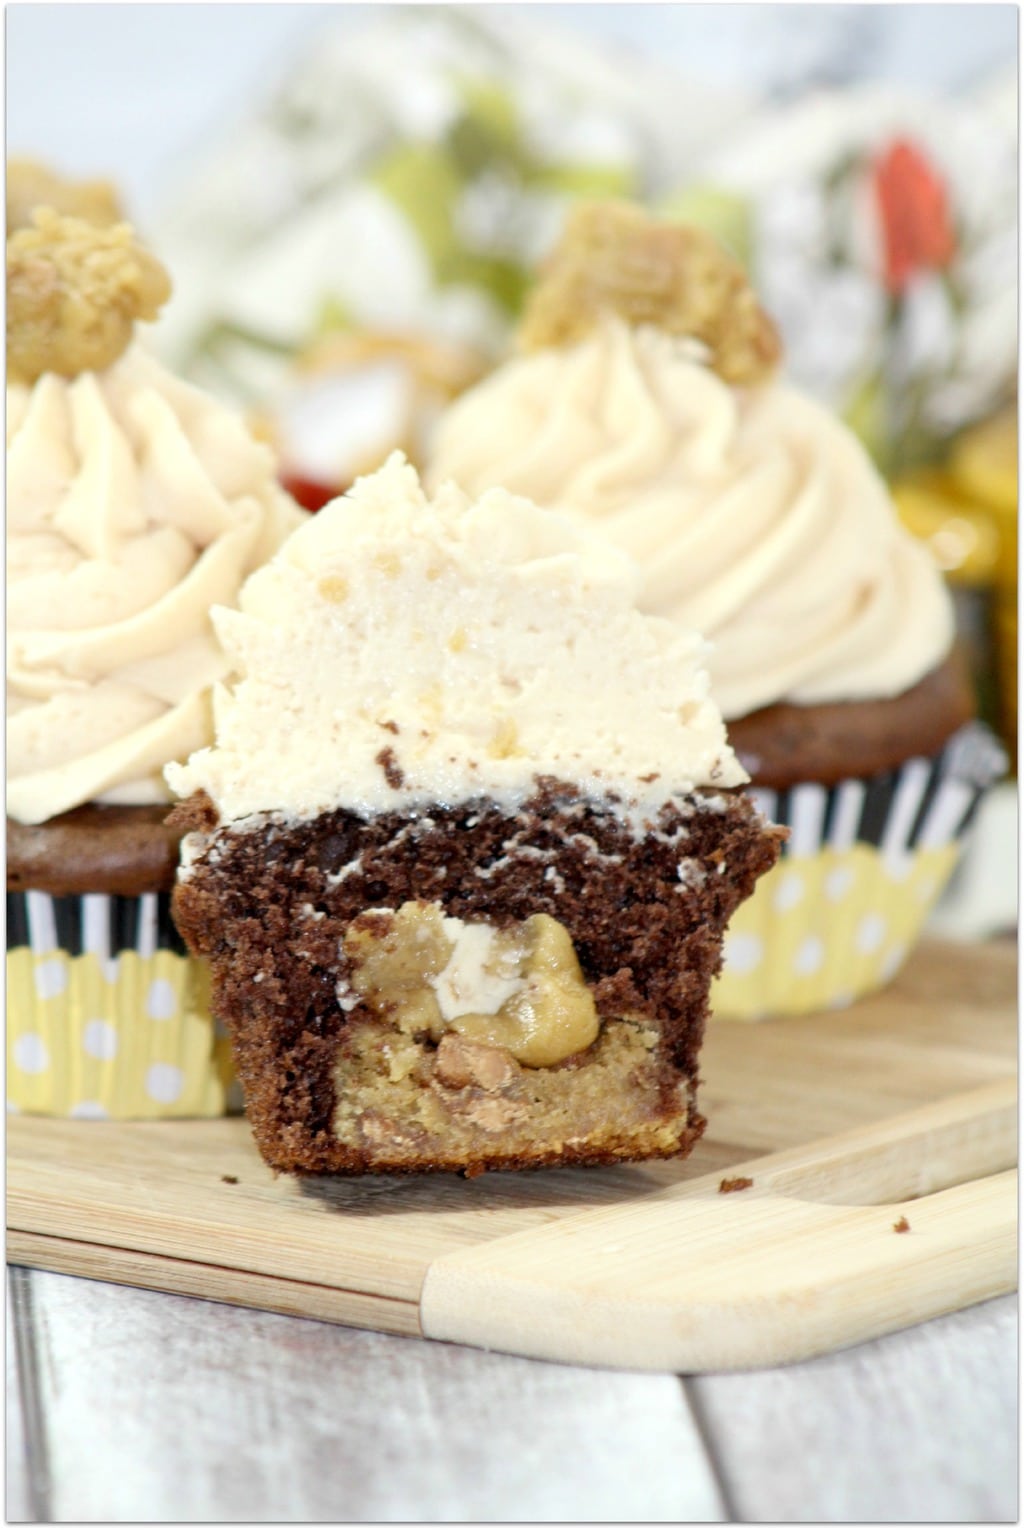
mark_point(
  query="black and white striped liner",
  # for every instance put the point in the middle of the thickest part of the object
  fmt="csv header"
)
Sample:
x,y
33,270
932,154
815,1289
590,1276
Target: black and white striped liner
x,y
93,922
921,806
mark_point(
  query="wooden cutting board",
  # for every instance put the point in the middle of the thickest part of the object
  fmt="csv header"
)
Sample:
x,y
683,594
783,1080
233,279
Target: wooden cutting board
x,y
848,1124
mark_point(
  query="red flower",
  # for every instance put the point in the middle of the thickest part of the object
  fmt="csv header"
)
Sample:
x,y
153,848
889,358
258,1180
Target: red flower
x,y
914,206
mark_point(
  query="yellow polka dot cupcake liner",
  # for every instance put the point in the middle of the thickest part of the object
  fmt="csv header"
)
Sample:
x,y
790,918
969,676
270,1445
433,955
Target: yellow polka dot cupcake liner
x,y
865,863
107,1017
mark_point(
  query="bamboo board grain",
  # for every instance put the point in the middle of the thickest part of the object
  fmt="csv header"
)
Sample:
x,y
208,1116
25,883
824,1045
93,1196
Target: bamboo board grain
x,y
605,1266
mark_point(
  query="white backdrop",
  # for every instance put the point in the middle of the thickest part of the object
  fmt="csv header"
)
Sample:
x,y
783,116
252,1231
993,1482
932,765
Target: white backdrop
x,y
129,91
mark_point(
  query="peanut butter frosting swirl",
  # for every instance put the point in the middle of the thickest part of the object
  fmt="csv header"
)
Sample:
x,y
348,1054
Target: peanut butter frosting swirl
x,y
134,504
756,517
401,651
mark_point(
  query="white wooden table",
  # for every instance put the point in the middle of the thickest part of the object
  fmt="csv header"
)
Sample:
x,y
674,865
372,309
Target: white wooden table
x,y
130,1406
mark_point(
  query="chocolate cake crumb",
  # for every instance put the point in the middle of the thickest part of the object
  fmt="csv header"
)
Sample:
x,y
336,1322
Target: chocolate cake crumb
x,y
901,1226
196,814
388,762
741,1182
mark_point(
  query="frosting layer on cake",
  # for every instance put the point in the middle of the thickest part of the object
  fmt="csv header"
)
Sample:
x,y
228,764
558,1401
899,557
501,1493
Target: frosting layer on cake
x,y
134,503
756,517
401,651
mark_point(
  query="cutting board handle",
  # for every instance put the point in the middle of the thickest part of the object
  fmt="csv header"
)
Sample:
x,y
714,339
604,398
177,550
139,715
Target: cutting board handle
x,y
667,1282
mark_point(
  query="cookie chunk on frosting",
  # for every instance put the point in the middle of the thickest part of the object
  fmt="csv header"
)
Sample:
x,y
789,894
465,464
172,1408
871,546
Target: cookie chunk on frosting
x,y
614,259
31,185
74,292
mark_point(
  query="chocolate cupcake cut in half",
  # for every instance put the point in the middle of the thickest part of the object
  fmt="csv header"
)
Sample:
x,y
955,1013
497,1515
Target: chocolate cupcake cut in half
x,y
463,853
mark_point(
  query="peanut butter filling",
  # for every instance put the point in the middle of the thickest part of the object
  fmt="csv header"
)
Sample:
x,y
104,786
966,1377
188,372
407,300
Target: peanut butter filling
x,y
614,258
519,989
74,291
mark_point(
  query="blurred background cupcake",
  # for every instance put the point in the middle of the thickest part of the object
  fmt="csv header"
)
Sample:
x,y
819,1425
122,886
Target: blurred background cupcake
x,y
134,503
647,405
